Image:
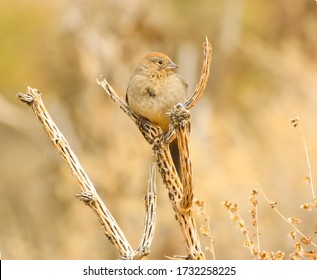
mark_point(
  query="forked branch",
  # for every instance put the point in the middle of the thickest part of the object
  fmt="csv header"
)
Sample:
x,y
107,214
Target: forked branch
x,y
88,192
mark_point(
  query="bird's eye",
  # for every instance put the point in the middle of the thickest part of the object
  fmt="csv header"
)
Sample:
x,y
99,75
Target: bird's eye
x,y
160,62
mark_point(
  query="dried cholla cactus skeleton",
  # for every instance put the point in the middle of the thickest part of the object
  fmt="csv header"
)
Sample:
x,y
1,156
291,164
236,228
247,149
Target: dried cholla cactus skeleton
x,y
180,190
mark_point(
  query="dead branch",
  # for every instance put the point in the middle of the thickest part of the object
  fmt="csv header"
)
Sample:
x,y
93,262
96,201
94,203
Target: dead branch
x,y
88,192
199,90
150,218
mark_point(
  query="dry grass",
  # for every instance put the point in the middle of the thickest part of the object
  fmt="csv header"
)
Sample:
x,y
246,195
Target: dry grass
x,y
304,245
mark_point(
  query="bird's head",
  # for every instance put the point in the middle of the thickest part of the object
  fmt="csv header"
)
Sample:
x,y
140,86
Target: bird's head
x,y
157,62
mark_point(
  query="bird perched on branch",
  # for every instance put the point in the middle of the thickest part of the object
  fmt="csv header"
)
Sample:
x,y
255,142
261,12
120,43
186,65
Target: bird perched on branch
x,y
154,89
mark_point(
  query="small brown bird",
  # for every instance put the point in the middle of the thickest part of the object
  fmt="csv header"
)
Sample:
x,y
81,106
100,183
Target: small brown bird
x,y
154,89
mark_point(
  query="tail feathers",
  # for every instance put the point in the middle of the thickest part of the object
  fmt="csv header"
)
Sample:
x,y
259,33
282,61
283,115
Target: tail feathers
x,y
175,156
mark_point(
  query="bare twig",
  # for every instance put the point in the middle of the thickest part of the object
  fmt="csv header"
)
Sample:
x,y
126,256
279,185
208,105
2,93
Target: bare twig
x,y
296,123
199,90
254,217
205,229
124,106
236,217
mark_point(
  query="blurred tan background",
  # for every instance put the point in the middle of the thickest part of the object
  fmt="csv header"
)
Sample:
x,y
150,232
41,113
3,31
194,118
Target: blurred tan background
x,y
264,72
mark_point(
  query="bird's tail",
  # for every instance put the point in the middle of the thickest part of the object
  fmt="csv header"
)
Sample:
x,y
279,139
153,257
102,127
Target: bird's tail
x,y
175,156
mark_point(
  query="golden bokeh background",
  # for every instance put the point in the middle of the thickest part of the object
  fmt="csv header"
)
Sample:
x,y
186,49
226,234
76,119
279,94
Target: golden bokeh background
x,y
264,72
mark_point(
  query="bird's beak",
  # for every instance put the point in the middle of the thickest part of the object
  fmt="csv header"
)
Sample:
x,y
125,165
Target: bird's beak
x,y
171,65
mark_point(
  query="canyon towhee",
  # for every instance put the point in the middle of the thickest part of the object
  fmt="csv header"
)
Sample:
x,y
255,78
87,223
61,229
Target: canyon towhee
x,y
154,89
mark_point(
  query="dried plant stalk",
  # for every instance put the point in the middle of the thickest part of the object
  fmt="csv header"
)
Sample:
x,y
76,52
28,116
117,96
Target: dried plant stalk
x,y
199,90
293,222
88,192
150,218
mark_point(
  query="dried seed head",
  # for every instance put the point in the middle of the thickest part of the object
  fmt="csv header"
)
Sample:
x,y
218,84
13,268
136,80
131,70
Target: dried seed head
x,y
306,206
311,255
294,221
292,235
294,122
306,240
